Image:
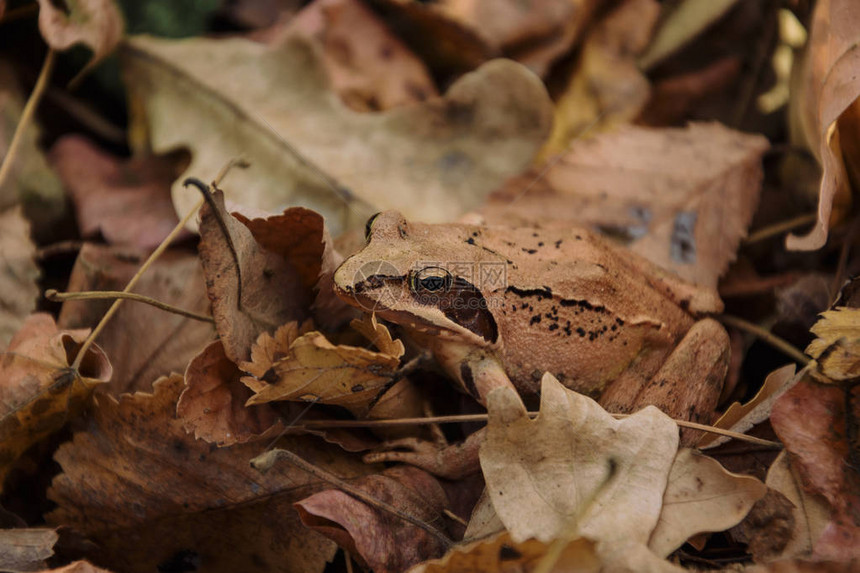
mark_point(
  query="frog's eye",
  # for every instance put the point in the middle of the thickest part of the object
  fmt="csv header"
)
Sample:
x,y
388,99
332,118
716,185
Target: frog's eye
x,y
369,225
430,279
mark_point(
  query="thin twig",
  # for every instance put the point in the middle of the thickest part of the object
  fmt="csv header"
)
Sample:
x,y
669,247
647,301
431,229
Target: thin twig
x,y
27,115
53,295
59,248
780,228
132,283
328,424
222,224
265,461
399,375
780,344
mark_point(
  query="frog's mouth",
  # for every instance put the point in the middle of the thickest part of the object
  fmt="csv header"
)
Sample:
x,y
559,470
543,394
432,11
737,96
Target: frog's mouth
x,y
460,309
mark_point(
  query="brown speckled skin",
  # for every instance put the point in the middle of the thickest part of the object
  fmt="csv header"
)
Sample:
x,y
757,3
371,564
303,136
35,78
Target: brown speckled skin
x,y
596,316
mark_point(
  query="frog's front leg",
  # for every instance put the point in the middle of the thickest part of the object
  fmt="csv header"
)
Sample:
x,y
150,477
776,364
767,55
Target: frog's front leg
x,y
479,376
688,384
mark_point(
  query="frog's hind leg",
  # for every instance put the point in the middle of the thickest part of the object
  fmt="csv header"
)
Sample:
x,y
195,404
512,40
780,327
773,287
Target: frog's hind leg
x,y
688,384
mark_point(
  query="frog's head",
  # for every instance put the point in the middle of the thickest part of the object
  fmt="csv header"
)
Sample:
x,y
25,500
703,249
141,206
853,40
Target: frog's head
x,y
409,274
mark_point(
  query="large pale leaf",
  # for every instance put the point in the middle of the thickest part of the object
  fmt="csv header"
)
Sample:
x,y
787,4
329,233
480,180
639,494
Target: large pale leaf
x,y
576,466
225,98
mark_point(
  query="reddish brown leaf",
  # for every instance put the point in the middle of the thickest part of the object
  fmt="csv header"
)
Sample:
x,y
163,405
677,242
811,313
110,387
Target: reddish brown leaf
x,y
149,494
380,540
212,406
128,201
370,68
272,289
301,237
813,421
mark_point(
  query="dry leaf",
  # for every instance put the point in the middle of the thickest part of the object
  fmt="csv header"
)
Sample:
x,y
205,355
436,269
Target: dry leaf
x,y
128,202
685,22
377,539
143,342
314,369
301,237
442,156
30,182
151,495
97,24
534,33
449,48
18,273
39,393
271,287
607,87
838,344
77,567
811,513
501,553
26,549
575,466
369,67
741,417
812,420
701,496
682,198
828,88
212,405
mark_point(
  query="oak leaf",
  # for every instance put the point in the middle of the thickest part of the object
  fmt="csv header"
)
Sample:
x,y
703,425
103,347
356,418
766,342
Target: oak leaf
x,y
575,464
148,493
307,367
442,156
39,391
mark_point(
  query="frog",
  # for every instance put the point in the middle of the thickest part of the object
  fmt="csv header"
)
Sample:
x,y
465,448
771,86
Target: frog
x,y
499,306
